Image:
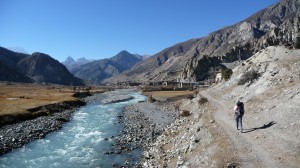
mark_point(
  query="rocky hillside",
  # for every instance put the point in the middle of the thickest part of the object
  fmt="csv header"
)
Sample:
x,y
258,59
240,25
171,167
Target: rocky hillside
x,y
271,101
95,72
194,59
269,85
37,67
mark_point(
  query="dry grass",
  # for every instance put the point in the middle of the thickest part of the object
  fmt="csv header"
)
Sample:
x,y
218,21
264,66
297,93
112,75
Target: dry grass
x,y
18,98
170,95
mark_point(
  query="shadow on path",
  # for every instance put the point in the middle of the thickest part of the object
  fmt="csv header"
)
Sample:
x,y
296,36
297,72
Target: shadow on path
x,y
257,128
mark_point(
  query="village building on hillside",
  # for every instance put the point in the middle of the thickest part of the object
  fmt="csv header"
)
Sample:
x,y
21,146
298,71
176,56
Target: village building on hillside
x,y
218,77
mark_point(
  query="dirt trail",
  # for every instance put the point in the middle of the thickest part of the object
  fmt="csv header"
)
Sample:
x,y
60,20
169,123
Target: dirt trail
x,y
248,151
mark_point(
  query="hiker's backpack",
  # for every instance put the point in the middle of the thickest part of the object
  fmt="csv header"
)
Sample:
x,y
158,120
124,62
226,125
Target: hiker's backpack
x,y
240,109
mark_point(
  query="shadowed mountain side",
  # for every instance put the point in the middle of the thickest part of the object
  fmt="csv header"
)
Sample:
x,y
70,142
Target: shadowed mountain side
x,y
38,67
42,68
11,58
8,66
9,74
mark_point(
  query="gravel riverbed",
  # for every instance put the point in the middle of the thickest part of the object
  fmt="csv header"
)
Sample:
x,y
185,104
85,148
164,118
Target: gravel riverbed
x,y
143,123
16,135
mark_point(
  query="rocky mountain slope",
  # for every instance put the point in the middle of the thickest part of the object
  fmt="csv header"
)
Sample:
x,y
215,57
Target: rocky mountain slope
x,y
193,59
37,67
208,137
70,63
95,72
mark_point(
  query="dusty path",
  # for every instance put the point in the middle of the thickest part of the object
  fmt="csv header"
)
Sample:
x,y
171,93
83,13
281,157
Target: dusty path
x,y
249,152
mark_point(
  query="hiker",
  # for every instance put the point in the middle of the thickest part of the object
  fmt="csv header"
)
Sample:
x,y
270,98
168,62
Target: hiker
x,y
238,113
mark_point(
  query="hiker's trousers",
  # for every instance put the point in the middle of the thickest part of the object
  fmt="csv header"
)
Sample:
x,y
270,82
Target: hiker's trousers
x,y
239,122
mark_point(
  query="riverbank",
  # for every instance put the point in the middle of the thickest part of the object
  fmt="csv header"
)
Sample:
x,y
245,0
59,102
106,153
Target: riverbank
x,y
16,135
143,123
35,125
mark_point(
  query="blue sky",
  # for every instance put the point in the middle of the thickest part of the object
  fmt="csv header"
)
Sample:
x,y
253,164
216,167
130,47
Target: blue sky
x,y
98,29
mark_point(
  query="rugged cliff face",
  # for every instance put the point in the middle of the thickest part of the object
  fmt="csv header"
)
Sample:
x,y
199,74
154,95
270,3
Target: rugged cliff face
x,y
194,59
286,34
276,25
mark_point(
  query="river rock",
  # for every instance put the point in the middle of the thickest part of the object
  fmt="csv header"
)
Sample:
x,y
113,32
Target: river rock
x,y
117,99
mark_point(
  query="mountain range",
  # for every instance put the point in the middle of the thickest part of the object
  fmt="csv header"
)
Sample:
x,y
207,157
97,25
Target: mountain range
x,y
195,59
38,67
96,71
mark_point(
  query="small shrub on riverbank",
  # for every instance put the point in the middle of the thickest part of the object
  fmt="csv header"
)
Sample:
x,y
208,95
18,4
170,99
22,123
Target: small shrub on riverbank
x,y
202,100
151,99
185,113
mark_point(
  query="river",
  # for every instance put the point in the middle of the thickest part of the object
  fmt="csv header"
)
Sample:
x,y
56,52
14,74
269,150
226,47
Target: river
x,y
82,141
